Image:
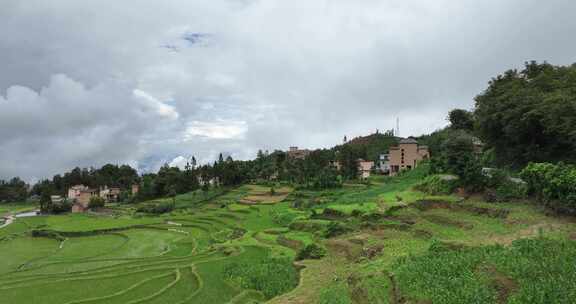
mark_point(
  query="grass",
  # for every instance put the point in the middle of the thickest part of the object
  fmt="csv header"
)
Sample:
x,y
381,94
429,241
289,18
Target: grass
x,y
215,249
530,271
13,208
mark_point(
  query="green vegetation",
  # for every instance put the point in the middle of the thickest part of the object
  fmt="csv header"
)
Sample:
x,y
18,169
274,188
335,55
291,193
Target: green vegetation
x,y
287,229
529,271
272,277
528,115
214,247
555,185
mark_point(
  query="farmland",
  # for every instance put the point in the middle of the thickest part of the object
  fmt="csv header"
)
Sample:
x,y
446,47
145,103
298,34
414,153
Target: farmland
x,y
384,243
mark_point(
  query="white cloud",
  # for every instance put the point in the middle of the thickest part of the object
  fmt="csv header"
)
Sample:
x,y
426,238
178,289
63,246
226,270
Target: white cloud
x,y
220,129
67,124
179,161
155,105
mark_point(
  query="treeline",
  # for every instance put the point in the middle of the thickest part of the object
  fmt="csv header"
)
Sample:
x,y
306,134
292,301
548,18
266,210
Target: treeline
x,y
170,181
522,117
14,190
318,169
122,176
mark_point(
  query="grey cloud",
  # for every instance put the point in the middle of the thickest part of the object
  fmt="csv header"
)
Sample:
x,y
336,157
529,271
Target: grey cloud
x,y
266,74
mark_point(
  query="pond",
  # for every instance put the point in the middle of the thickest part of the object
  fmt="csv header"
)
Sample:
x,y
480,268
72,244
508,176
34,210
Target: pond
x,y
28,214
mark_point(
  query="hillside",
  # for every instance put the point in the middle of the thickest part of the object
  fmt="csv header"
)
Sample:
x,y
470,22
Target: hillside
x,y
371,146
381,243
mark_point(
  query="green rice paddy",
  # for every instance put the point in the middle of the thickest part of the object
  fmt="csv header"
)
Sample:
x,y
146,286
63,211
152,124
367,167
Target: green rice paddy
x,y
233,246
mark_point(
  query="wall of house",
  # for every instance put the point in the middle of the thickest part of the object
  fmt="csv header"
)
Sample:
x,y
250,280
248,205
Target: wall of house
x,y
406,156
84,198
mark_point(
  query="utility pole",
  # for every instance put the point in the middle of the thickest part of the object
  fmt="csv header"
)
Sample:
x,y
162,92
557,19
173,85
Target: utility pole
x,y
397,126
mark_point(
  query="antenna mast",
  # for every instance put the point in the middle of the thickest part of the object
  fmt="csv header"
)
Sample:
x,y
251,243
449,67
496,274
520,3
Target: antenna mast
x,y
398,126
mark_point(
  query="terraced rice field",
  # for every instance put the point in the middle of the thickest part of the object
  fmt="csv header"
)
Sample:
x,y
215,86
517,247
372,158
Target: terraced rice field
x,y
176,258
384,243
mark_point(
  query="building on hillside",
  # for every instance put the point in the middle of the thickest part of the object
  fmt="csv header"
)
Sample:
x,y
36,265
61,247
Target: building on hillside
x,y
110,194
85,196
407,155
74,191
365,168
135,189
336,165
296,153
384,163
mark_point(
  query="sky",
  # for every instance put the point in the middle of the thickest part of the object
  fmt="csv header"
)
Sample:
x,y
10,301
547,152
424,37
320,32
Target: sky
x,y
147,82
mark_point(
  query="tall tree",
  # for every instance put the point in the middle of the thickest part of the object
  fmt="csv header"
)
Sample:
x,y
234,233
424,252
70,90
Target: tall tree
x,y
530,115
461,119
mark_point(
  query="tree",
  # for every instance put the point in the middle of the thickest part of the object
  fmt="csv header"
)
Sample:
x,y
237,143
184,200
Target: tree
x,y
529,115
461,160
14,190
96,202
461,119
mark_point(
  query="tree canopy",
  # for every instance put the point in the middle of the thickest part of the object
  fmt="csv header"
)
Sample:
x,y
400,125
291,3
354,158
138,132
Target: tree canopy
x,y
529,115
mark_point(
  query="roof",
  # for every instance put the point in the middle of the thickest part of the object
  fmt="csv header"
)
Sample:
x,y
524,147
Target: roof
x,y
408,141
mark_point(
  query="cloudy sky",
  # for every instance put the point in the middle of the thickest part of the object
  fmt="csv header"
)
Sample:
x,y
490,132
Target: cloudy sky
x,y
143,82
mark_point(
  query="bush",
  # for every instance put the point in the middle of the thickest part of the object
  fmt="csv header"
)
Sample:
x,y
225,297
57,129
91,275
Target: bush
x,y
554,185
336,229
437,185
96,202
311,251
60,207
502,187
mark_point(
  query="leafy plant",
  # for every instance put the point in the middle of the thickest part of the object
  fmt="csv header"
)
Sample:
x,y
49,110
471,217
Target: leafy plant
x,y
554,185
311,251
437,185
96,202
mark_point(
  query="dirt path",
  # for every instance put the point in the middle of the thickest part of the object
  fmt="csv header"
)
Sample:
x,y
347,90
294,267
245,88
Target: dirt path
x,y
9,220
317,275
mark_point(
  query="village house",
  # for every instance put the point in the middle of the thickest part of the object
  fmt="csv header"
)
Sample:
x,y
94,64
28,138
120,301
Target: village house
x,y
110,194
296,153
74,191
384,163
81,196
407,155
365,168
135,189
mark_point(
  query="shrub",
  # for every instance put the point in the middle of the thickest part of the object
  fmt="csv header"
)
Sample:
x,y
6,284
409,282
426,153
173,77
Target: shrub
x,y
436,184
336,229
311,251
60,207
554,185
502,187
96,202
